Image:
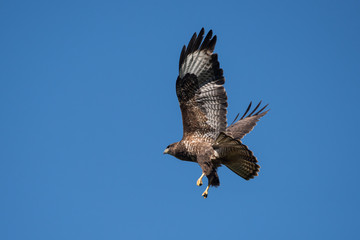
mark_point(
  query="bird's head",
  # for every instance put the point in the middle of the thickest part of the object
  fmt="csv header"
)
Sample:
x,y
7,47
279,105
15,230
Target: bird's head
x,y
171,149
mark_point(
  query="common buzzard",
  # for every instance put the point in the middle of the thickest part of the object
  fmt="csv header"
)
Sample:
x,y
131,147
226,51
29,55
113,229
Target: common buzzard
x,y
206,138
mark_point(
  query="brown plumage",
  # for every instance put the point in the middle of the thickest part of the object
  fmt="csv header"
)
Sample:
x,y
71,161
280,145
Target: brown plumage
x,y
203,103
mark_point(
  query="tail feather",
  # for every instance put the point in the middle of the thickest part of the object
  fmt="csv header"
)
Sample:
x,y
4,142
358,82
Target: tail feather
x,y
236,156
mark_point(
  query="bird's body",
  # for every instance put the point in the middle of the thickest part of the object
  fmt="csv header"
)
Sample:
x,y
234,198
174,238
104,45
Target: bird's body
x,y
187,150
203,102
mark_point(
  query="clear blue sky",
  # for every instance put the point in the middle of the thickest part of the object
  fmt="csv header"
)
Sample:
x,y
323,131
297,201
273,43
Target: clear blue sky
x,y
88,104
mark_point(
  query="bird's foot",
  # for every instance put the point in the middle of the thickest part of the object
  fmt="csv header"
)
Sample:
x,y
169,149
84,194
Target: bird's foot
x,y
205,193
199,181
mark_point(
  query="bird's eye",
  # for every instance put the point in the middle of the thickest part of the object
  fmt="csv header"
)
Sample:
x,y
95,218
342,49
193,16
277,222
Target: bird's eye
x,y
168,146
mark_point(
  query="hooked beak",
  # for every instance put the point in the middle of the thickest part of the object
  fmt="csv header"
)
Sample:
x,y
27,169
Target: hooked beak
x,y
166,151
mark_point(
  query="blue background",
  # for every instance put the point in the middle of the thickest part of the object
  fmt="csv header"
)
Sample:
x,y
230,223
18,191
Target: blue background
x,y
88,104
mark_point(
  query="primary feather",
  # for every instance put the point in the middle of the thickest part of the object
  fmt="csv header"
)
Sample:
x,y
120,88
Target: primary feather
x,y
200,90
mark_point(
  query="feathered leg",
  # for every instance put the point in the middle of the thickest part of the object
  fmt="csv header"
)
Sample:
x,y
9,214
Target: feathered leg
x,y
208,169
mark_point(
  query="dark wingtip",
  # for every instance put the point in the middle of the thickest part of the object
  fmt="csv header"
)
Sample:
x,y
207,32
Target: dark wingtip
x,y
262,110
248,108
202,31
191,44
205,43
235,119
212,43
197,43
257,106
210,32
182,56
254,110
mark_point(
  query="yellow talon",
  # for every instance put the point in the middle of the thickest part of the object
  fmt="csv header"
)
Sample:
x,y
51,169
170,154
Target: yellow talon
x,y
205,193
199,181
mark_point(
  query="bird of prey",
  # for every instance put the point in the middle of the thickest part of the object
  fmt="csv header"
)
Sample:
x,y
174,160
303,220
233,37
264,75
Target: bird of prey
x,y
207,139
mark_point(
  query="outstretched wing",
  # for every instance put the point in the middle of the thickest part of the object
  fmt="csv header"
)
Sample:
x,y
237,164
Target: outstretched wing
x,y
199,88
239,129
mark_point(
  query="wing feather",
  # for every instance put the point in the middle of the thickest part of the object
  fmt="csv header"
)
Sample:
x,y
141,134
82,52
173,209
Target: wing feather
x,y
200,90
242,127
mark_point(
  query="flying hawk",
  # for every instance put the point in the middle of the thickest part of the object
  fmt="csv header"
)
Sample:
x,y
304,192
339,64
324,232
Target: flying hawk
x,y
206,138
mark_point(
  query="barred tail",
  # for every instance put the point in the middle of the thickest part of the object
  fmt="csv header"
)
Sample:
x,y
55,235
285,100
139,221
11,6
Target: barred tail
x,y
236,156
